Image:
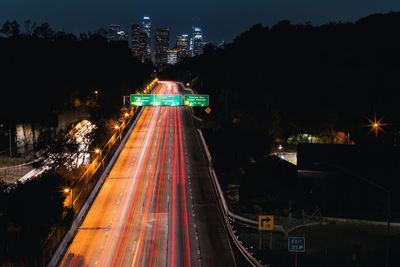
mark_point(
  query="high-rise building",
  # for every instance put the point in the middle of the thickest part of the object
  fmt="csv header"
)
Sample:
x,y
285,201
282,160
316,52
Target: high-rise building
x,y
182,45
161,45
146,28
139,43
113,32
146,24
172,56
116,34
135,36
196,41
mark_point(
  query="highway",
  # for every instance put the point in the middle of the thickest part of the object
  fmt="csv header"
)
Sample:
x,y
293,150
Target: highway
x,y
156,207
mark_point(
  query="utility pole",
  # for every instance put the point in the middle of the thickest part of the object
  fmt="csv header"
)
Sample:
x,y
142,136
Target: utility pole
x,y
9,133
388,230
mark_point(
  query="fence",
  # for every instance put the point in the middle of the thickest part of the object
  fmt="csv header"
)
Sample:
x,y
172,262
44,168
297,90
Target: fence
x,y
13,173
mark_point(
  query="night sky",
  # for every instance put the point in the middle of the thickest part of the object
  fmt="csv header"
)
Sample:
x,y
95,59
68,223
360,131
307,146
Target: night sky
x,y
220,19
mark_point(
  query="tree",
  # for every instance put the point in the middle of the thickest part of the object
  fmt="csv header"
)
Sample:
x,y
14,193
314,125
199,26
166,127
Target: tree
x,y
43,31
10,28
29,26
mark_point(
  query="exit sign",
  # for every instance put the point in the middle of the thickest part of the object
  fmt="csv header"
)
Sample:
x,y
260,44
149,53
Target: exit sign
x,y
196,100
142,100
296,244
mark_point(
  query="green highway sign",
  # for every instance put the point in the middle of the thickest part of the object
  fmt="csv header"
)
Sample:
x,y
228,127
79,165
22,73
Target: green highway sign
x,y
196,100
142,100
168,100
296,244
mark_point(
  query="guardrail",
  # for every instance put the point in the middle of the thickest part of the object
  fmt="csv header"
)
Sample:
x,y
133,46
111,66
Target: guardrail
x,y
227,215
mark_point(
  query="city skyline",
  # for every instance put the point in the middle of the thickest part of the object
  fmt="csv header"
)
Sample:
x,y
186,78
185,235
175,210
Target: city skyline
x,y
134,143
223,19
160,49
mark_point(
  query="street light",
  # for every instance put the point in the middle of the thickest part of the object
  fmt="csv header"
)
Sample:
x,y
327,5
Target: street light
x,y
119,131
98,152
376,125
69,190
385,190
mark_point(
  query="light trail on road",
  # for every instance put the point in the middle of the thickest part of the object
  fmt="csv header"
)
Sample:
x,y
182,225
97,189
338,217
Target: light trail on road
x,y
140,215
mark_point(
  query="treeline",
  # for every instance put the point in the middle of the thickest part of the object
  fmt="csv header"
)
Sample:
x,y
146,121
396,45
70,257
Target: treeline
x,y
44,72
315,77
273,83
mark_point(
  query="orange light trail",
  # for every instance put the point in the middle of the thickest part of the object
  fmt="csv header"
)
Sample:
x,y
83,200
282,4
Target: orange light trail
x,y
140,216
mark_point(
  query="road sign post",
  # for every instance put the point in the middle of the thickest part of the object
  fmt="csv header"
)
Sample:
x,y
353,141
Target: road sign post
x,y
296,245
265,223
270,240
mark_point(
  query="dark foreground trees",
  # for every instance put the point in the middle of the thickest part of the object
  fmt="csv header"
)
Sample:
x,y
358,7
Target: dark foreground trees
x,y
28,213
273,83
44,72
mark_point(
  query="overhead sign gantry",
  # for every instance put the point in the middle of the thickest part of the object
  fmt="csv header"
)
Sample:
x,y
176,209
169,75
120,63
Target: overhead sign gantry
x,y
169,100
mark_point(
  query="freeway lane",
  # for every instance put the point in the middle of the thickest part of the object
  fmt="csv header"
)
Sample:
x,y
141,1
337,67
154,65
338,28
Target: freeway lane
x,y
144,214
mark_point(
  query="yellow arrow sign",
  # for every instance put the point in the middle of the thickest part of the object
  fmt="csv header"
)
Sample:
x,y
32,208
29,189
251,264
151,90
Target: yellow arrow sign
x,y
266,222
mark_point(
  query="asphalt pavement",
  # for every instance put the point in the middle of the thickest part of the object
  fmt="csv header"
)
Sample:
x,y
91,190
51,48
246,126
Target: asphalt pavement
x,y
156,207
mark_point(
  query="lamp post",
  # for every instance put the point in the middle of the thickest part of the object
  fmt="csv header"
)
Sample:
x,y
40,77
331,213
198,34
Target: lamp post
x,y
96,93
388,207
118,129
69,190
98,152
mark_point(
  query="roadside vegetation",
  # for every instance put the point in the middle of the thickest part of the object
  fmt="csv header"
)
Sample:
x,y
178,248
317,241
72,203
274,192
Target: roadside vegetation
x,y
46,73
280,84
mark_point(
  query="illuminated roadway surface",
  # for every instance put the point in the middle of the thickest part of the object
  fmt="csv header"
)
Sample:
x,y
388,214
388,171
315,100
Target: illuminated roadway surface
x,y
156,207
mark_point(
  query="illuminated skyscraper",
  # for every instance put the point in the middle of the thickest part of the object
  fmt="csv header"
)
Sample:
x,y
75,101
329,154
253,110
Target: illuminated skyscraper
x,y
116,34
161,45
146,28
196,43
139,43
146,24
113,31
172,56
182,45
